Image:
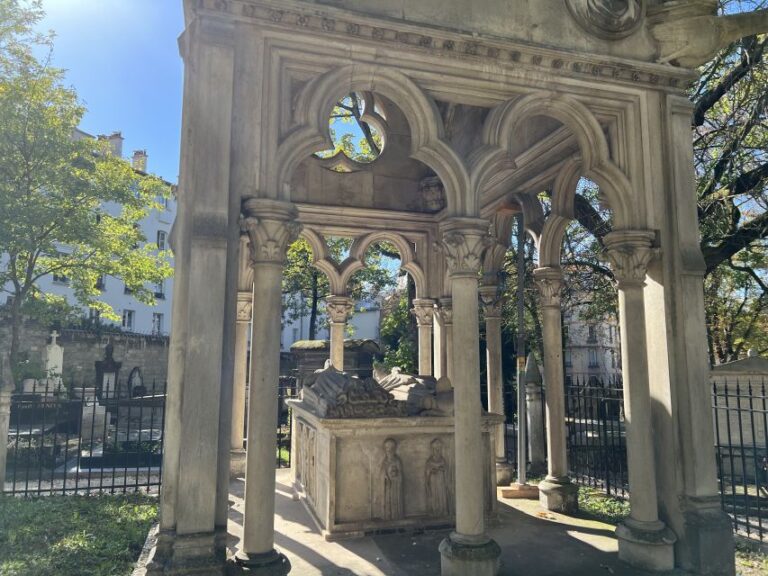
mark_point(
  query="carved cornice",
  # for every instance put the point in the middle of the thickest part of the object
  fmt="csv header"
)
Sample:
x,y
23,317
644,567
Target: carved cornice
x,y
424,311
271,227
463,243
491,300
244,306
549,281
338,308
630,251
336,22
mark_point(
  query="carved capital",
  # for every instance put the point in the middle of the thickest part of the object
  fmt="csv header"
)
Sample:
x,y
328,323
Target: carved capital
x,y
445,311
244,306
424,310
549,281
630,251
338,308
491,300
271,227
463,242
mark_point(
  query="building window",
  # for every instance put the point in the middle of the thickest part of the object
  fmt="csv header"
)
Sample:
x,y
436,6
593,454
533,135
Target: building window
x,y
295,334
592,358
59,278
101,282
128,319
568,359
127,290
610,334
613,359
160,290
161,240
94,314
157,323
592,333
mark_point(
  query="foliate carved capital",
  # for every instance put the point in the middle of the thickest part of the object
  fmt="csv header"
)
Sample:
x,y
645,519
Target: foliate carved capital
x,y
244,306
549,281
445,311
630,251
338,308
424,310
491,300
271,227
463,242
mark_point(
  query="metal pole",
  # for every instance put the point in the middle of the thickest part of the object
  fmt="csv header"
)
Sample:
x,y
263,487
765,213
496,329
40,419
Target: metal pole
x,y
521,416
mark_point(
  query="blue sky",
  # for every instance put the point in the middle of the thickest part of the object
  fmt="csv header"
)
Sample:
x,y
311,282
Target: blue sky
x,y
122,58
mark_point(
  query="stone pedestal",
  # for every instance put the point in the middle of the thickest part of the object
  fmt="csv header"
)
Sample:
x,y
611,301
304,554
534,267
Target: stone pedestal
x,y
537,443
559,495
270,563
338,309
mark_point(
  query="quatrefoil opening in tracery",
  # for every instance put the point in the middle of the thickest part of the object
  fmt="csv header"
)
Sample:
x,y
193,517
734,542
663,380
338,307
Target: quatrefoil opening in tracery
x,y
357,129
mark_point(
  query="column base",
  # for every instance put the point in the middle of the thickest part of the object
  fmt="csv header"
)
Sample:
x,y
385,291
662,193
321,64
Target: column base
x,y
646,545
271,563
460,558
559,495
237,463
185,555
706,546
504,473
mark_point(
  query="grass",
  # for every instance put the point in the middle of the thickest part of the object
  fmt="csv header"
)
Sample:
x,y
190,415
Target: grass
x,y
73,535
751,558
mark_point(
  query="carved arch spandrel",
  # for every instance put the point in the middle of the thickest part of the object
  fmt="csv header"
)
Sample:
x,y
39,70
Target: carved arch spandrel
x,y
315,104
594,160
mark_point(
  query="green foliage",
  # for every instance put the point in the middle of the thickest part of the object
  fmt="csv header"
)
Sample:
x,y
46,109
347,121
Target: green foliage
x,y
397,339
68,206
73,535
352,136
601,506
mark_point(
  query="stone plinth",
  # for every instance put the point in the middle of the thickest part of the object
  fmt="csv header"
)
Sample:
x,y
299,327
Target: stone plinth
x,y
340,471
362,465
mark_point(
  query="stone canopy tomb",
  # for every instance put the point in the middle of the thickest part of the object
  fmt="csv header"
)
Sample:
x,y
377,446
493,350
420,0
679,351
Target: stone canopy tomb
x,y
484,108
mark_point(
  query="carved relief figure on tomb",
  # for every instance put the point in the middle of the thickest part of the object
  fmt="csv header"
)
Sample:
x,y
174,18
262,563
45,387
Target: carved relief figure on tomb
x,y
392,482
309,485
608,18
436,481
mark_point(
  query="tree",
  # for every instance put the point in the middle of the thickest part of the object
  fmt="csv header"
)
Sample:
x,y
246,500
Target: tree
x,y
730,138
68,206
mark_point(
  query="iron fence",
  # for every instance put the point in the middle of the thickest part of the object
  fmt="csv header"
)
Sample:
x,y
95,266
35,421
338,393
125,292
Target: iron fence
x,y
78,440
595,432
741,423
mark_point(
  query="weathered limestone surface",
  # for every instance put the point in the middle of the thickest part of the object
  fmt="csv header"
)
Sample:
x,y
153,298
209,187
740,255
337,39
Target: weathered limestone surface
x,y
482,105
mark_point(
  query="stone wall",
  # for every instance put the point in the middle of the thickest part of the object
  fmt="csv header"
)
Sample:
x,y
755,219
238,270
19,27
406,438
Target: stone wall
x,y
83,348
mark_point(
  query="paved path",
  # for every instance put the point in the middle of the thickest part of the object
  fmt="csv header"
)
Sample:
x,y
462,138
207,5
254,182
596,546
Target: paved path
x,y
533,541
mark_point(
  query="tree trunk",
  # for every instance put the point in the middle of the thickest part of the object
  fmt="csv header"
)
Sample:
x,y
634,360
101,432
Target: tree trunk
x,y
13,355
313,309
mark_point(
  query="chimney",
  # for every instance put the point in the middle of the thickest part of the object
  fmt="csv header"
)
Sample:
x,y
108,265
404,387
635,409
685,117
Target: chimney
x,y
116,143
139,161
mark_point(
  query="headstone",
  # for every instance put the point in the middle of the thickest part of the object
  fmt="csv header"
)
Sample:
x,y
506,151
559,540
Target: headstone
x,y
54,364
107,371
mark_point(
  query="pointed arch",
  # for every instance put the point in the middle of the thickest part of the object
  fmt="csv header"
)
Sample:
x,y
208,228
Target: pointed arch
x,y
315,105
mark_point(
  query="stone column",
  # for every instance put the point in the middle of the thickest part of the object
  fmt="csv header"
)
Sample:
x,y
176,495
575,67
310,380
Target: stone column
x,y
423,309
244,314
644,540
537,443
492,305
556,491
438,343
468,550
272,227
446,315
338,308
